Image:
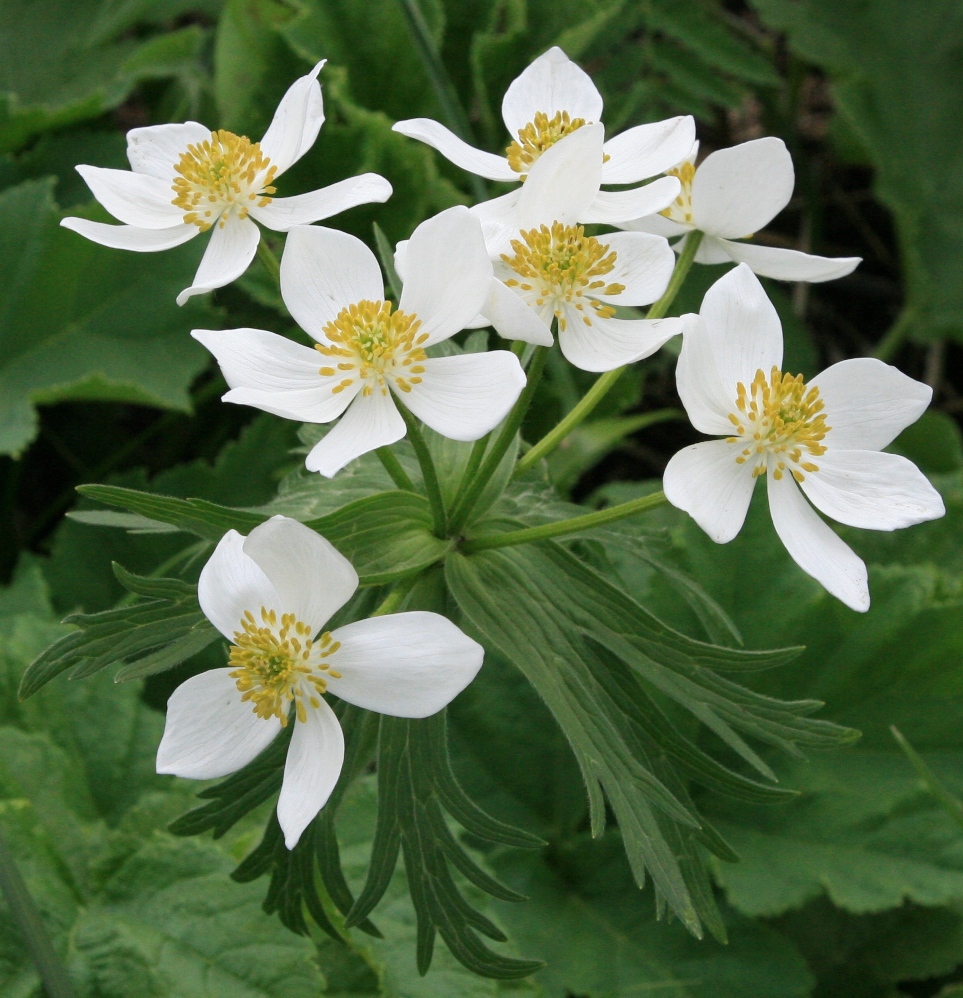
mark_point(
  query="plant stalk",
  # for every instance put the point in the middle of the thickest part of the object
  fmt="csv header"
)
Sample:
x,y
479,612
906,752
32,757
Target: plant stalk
x,y
430,475
52,973
266,255
603,384
575,525
393,466
463,508
396,597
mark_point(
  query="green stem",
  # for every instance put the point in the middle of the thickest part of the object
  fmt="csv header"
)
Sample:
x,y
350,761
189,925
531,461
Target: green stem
x,y
575,525
462,509
396,597
445,92
894,336
430,475
35,938
393,466
471,468
266,255
603,384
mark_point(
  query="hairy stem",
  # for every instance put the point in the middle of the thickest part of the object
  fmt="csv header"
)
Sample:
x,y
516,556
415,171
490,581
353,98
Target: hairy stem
x,y
462,509
428,472
35,938
600,389
393,466
573,526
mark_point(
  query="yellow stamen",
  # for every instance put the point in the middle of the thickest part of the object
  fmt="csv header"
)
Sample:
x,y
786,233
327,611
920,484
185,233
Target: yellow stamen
x,y
537,136
681,209
779,417
224,173
375,343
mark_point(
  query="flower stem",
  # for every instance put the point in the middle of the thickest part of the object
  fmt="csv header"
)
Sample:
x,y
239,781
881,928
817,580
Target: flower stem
x,y
35,938
471,468
472,493
393,466
573,526
396,597
445,92
428,472
600,389
266,255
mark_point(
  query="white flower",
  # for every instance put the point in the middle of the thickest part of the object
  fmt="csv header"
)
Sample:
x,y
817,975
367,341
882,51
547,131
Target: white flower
x,y
551,99
823,439
732,194
546,267
270,594
219,180
366,350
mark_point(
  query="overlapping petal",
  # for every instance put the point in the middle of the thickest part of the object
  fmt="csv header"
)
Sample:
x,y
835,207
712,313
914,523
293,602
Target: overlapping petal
x,y
296,122
210,732
455,150
311,770
323,271
311,577
643,266
465,396
371,421
404,664
282,214
614,207
814,546
156,149
610,343
647,150
512,318
705,481
131,237
133,198
788,264
702,387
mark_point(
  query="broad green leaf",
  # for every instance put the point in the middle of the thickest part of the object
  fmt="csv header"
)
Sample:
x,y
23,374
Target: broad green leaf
x,y
898,81
83,322
71,60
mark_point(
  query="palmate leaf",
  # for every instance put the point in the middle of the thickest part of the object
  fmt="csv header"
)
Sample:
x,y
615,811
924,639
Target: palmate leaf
x,y
613,722
385,536
165,629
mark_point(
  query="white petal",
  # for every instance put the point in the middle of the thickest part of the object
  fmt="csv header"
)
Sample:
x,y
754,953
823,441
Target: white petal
x,y
790,265
737,191
499,221
564,181
296,122
512,317
131,237
133,198
313,579
311,771
647,150
658,225
447,273
465,396
615,207
323,271
484,164
643,264
157,149
552,83
404,664
273,373
231,584
610,343
228,255
706,395
302,209
814,547
371,421
872,490
869,403
210,731
711,250
705,481
743,327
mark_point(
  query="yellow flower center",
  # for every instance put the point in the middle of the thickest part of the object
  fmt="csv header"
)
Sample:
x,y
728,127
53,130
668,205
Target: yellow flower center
x,y
371,343
537,136
275,666
781,418
560,264
224,173
681,209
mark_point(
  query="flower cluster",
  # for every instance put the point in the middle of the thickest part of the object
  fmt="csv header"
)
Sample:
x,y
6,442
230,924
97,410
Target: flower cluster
x,y
533,265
